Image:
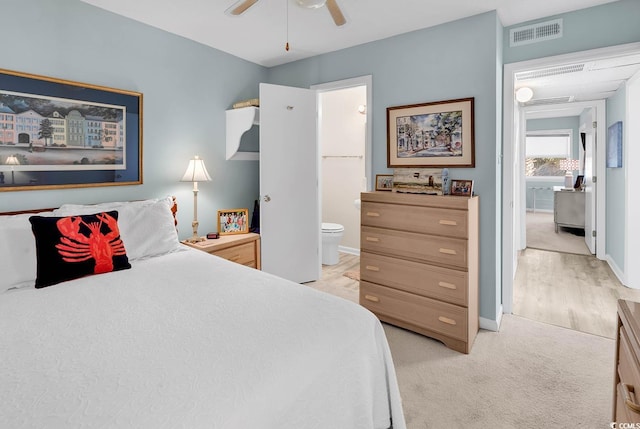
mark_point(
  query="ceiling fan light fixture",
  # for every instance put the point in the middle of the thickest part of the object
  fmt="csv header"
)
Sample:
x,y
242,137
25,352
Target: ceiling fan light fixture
x,y
311,4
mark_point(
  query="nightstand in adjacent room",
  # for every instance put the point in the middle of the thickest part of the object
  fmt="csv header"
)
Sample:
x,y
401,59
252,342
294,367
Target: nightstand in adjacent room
x,y
240,248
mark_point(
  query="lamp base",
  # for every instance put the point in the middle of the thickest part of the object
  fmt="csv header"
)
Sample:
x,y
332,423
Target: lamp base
x,y
195,238
568,180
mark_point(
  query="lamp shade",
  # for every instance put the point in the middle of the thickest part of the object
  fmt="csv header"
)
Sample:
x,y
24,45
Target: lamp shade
x,y
196,171
569,164
12,160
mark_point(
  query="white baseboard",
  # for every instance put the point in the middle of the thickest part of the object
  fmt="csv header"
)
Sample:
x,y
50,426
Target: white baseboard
x,y
349,250
616,269
492,325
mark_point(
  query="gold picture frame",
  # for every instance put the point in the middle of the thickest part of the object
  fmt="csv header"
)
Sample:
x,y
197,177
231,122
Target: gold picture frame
x,y
56,133
233,221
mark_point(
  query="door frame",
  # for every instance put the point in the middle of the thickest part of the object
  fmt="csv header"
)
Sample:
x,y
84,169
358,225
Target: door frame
x,y
366,81
512,132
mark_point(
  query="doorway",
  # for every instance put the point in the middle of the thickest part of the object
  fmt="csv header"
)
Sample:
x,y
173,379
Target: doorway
x,y
512,183
344,146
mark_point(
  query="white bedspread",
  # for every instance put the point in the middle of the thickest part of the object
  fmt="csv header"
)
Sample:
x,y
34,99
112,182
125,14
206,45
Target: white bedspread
x,y
189,340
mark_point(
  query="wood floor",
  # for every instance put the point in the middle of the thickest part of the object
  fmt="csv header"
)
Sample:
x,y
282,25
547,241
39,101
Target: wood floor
x,y
579,292
574,291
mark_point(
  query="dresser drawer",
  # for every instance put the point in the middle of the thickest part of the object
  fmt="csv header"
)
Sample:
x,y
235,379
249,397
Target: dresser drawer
x,y
422,279
629,373
446,319
242,254
427,248
426,220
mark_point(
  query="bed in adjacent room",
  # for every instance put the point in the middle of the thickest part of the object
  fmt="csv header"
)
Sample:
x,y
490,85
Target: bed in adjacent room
x,y
180,339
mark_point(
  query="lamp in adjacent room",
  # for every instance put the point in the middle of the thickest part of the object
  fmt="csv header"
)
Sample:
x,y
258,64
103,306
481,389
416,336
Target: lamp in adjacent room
x,y
196,172
12,160
524,94
569,165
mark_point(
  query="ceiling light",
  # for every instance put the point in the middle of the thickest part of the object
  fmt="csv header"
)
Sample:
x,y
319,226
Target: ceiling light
x,y
311,4
524,94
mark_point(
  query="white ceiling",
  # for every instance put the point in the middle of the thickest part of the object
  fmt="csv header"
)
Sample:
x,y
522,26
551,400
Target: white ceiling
x,y
260,34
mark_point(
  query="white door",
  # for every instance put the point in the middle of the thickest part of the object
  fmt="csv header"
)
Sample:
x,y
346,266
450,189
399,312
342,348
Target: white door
x,y
290,226
589,188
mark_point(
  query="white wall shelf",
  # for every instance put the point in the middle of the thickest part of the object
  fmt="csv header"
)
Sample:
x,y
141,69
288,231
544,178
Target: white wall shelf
x,y
239,121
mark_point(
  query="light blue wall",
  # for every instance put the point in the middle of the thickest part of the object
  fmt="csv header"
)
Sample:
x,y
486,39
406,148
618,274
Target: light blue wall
x,y
544,196
186,88
596,27
456,60
615,204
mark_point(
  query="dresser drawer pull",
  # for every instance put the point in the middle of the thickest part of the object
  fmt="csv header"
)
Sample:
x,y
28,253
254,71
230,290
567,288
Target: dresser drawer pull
x,y
447,285
374,239
373,214
447,320
448,222
372,268
372,298
447,251
629,397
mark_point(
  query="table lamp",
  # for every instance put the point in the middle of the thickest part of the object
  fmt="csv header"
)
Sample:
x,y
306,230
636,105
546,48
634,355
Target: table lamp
x,y
196,172
569,165
12,160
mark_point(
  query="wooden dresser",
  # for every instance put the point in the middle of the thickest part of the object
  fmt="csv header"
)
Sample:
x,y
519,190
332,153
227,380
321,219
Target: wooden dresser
x,y
241,248
419,264
626,401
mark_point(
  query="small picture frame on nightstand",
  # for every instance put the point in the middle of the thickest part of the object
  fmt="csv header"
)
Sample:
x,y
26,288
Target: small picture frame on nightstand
x,y
233,221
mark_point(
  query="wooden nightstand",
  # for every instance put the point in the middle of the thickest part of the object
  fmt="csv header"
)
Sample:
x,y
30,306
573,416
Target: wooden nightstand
x,y
241,248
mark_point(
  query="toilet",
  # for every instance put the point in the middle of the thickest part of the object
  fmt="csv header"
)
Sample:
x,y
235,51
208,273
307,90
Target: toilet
x,y
331,235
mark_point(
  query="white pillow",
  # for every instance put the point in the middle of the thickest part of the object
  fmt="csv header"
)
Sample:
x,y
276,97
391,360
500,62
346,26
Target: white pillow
x,y
147,228
17,251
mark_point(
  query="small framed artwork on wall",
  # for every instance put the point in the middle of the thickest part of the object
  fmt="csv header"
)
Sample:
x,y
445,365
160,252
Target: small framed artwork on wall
x,y
614,146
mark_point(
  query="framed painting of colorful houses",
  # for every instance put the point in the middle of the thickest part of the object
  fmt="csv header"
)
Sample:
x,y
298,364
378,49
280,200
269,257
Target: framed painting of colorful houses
x,y
56,133
438,134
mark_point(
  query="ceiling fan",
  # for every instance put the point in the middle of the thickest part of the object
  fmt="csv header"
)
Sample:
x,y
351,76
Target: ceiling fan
x,y
338,17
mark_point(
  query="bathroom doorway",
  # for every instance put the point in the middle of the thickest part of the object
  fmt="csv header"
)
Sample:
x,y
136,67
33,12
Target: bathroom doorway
x,y
345,155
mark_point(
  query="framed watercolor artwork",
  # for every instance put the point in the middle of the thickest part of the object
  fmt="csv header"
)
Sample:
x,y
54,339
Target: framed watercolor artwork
x,y
56,133
438,134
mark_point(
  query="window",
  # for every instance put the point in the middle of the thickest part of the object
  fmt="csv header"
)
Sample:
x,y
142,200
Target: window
x,y
544,150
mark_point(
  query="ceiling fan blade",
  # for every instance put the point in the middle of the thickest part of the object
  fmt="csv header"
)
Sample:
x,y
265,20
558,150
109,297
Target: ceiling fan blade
x,y
336,13
242,7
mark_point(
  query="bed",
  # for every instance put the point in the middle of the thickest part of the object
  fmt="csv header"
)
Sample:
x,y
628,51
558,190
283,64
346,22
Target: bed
x,y
181,339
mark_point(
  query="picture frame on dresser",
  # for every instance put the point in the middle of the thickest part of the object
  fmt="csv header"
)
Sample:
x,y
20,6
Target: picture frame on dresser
x,y
462,188
384,182
437,134
57,133
233,221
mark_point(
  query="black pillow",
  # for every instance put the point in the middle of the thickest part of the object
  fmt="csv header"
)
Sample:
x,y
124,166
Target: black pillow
x,y
76,246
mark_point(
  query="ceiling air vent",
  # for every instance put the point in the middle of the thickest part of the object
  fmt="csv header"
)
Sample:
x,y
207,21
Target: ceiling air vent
x,y
535,33
550,71
550,100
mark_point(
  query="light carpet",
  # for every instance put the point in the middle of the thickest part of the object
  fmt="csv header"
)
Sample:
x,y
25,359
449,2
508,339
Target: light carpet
x,y
527,375
541,235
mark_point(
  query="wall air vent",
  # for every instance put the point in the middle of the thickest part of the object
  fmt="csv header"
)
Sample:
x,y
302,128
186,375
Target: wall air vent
x,y
534,33
549,71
